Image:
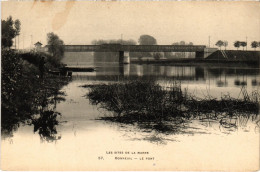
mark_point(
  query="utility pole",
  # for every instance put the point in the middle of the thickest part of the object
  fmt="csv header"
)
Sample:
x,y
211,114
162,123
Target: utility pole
x,y
209,41
31,41
23,41
246,43
121,38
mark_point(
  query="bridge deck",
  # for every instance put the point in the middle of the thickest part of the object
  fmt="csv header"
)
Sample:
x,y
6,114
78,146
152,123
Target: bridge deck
x,y
134,48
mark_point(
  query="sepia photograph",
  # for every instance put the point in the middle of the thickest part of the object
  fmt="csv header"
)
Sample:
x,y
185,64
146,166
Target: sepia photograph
x,y
109,85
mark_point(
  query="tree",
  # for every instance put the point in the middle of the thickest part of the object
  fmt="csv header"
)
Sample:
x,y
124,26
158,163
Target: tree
x,y
254,45
147,40
225,44
123,42
237,44
55,46
10,29
17,26
182,53
190,56
118,41
243,44
219,43
157,55
182,43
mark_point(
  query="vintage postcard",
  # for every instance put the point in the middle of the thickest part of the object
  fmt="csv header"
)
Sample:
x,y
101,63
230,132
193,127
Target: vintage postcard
x,y
130,85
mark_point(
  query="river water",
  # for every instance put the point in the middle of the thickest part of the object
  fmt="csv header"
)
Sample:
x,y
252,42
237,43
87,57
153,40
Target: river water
x,y
85,143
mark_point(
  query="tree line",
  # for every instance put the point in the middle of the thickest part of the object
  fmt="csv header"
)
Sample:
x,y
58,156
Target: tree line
x,y
11,30
28,97
237,44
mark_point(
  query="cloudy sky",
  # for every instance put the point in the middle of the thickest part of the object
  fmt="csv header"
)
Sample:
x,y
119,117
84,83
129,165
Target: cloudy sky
x,y
83,21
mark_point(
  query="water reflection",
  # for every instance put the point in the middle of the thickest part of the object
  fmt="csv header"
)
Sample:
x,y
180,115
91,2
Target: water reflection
x,y
201,81
46,124
46,121
81,138
170,110
208,127
36,106
222,77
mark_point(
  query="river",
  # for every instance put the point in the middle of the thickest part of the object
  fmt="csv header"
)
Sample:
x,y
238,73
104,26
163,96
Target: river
x,y
84,143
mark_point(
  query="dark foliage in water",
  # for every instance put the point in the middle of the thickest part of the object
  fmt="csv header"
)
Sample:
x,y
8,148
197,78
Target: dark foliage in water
x,y
46,125
25,96
167,109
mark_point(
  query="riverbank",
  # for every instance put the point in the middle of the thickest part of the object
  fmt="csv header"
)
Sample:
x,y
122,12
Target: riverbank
x,y
227,58
26,97
199,62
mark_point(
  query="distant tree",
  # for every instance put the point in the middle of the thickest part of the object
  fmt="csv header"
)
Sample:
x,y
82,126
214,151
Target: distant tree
x,y
99,42
157,55
147,40
129,42
225,44
190,52
255,44
182,53
237,44
123,42
243,44
17,26
10,29
219,43
119,41
55,46
182,43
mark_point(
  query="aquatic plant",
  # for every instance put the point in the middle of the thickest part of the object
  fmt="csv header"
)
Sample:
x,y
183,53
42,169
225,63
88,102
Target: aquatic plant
x,y
164,109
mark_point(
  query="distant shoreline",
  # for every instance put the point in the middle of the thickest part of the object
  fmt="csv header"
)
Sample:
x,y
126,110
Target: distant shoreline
x,y
196,62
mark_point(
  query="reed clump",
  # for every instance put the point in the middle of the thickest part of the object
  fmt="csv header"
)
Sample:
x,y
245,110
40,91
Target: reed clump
x,y
146,102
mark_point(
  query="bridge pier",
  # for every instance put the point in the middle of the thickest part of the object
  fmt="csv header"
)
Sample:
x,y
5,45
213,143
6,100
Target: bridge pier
x,y
124,57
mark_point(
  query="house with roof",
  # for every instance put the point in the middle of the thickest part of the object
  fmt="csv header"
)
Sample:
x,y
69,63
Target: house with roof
x,y
39,48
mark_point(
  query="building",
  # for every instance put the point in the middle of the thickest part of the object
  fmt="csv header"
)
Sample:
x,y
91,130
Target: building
x,y
208,51
38,46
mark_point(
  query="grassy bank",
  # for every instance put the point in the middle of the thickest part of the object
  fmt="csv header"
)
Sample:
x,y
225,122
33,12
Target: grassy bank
x,y
149,105
27,98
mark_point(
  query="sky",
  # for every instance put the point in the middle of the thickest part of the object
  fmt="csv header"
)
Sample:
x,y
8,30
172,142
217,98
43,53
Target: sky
x,y
80,22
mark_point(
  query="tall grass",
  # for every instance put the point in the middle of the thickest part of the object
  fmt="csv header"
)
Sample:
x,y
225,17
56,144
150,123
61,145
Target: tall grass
x,y
147,102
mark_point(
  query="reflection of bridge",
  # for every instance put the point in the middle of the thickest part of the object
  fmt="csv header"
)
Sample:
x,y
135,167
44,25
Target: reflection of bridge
x,y
125,49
